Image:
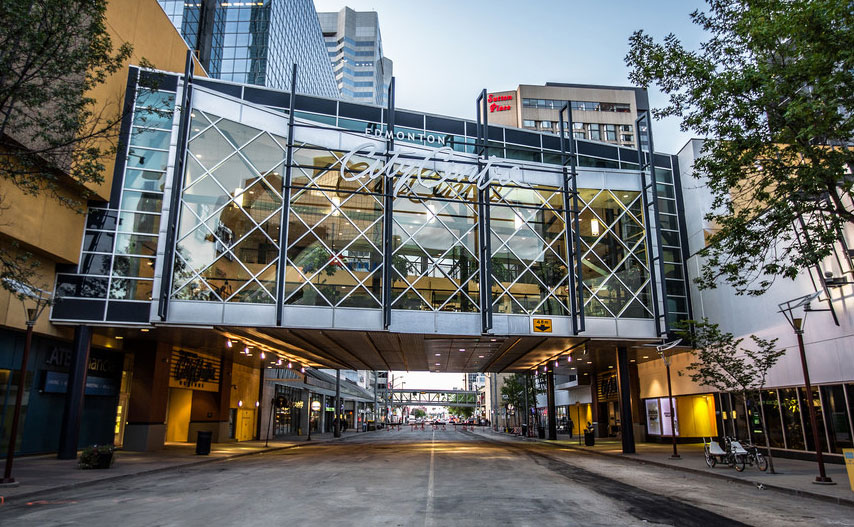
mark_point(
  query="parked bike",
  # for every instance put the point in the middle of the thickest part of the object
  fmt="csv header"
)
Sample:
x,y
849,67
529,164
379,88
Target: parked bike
x,y
755,458
732,453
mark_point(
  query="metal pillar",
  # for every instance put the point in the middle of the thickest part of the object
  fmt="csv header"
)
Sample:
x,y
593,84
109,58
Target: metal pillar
x,y
286,202
70,431
19,397
527,411
822,477
550,397
177,188
627,431
337,422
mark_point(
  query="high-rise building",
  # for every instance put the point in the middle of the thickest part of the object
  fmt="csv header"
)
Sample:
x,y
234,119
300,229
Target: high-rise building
x,y
256,42
355,49
599,113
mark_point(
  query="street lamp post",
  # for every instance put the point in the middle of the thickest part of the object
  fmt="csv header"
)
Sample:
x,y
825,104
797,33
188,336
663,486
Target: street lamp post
x,y
661,349
788,310
40,300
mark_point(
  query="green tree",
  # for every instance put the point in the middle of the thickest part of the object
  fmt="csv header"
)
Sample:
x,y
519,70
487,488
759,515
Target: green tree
x,y
461,411
721,362
513,392
54,136
772,88
418,413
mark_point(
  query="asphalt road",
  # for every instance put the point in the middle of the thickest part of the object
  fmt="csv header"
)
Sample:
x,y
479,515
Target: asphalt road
x,y
422,478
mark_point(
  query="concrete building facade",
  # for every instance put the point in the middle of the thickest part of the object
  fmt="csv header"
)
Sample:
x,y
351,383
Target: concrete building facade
x,y
599,113
354,44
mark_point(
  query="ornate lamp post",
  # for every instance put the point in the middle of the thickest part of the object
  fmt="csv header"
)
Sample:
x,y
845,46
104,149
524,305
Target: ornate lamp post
x,y
791,309
34,301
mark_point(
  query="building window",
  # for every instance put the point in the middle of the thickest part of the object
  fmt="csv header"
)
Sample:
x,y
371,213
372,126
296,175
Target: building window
x,y
546,125
627,138
595,134
529,123
611,132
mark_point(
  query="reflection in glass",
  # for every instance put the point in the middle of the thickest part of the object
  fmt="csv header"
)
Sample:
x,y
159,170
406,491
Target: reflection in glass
x,y
819,418
792,419
228,231
529,263
614,272
838,424
771,411
334,233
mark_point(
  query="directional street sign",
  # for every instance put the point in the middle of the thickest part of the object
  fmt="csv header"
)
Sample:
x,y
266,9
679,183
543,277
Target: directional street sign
x,y
542,325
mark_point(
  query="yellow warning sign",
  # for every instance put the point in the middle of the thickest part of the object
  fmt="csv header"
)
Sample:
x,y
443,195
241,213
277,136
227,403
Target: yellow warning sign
x,y
848,453
542,325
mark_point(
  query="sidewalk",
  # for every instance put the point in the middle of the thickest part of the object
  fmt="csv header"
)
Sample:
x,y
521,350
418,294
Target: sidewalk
x,y
39,474
793,476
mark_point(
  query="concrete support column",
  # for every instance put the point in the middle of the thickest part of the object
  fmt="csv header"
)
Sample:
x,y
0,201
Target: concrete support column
x,y
70,432
550,397
594,404
146,428
627,431
337,423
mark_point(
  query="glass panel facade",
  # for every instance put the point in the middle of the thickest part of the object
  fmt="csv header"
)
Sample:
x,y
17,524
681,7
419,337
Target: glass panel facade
x,y
838,422
614,262
792,424
335,232
435,246
530,269
228,233
773,418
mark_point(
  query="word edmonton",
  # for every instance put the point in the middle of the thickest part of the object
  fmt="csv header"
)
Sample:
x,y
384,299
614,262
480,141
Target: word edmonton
x,y
406,136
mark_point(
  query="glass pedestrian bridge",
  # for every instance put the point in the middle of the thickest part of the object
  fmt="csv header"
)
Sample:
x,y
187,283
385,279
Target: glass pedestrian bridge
x,y
238,207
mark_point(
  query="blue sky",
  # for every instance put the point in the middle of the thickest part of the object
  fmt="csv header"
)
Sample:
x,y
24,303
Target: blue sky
x,y
445,51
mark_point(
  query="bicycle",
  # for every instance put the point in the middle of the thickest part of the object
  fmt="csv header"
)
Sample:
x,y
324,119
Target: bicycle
x,y
733,455
755,458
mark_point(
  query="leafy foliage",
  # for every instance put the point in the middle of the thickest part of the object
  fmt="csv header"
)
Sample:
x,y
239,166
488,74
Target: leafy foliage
x,y
460,411
53,135
514,388
772,88
721,361
418,413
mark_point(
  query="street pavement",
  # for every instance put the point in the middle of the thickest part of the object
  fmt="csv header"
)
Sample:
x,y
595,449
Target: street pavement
x,y
430,478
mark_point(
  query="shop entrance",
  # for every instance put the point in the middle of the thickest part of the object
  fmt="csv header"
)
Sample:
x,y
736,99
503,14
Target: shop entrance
x,y
178,414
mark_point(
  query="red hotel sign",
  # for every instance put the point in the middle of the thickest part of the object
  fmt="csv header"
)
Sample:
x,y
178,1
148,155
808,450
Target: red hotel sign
x,y
493,101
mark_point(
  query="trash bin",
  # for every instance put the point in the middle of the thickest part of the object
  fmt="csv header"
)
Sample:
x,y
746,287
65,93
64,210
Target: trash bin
x,y
589,438
541,432
203,442
524,430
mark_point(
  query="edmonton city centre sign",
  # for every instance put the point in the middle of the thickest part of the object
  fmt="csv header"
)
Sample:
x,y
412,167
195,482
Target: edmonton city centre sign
x,y
372,164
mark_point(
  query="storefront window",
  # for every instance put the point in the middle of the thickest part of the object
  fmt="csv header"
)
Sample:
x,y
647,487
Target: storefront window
x,y
819,418
838,424
771,412
792,419
614,272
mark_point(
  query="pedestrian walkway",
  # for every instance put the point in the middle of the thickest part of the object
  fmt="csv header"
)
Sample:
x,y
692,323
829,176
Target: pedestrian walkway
x,y
793,476
37,474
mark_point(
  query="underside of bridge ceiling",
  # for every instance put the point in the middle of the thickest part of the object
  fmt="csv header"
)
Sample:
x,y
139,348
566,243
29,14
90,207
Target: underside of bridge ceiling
x,y
367,350
360,350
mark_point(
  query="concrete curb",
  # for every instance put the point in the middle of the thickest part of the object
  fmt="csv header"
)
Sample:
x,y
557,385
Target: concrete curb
x,y
70,486
778,488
